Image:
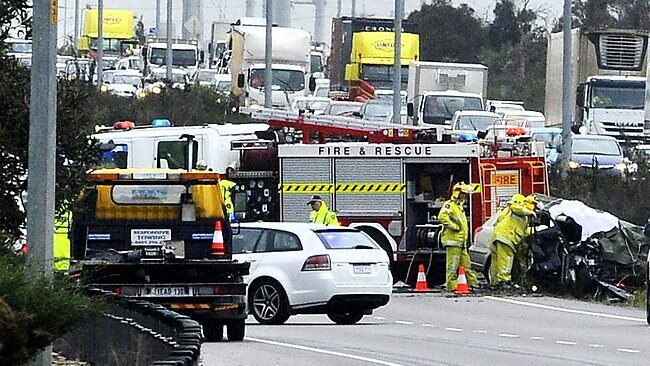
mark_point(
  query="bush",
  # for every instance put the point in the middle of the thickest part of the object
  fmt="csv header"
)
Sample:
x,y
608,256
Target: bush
x,y
35,310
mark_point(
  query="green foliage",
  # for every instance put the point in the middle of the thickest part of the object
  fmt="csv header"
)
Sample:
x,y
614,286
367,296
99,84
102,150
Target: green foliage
x,y
14,14
35,310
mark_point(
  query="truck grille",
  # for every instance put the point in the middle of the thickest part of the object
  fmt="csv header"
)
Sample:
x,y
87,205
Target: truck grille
x,y
618,128
621,51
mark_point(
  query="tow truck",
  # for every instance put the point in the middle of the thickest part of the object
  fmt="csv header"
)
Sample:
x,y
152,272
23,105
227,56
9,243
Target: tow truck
x,y
388,180
162,235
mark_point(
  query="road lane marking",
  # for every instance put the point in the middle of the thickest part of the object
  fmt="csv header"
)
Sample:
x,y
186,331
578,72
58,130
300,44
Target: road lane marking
x,y
566,343
324,351
508,335
454,329
596,345
480,331
428,325
403,322
537,338
566,310
380,318
628,350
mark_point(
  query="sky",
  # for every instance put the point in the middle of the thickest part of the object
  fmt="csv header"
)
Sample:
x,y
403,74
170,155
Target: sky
x,y
302,15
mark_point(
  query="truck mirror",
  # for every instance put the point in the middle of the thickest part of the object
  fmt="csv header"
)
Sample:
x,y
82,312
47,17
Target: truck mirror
x,y
409,109
240,80
201,56
144,51
312,83
580,96
576,129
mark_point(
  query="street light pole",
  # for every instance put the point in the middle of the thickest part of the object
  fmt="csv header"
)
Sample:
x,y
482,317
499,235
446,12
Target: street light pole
x,y
567,106
100,42
76,26
42,147
169,53
158,18
397,63
268,71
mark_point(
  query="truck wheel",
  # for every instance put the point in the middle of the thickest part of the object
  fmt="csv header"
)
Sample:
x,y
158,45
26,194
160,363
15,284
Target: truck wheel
x,y
268,302
345,318
236,330
213,331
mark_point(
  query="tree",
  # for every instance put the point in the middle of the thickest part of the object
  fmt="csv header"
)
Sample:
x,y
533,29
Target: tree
x,y
15,14
448,33
505,27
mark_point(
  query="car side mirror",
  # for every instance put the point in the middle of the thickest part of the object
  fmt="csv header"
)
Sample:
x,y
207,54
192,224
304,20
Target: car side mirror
x,y
481,135
240,80
312,83
357,114
576,129
202,56
410,109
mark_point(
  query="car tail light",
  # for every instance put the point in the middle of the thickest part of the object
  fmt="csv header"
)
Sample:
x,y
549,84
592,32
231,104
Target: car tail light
x,y
317,263
117,290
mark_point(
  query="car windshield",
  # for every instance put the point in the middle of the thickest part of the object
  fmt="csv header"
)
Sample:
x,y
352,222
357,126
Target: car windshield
x,y
176,77
206,76
179,57
438,109
475,123
595,146
346,239
550,139
381,76
223,85
618,95
20,47
316,63
337,109
377,110
285,80
126,79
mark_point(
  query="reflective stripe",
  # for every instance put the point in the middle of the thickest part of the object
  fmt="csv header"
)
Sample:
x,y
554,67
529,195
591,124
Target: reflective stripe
x,y
365,187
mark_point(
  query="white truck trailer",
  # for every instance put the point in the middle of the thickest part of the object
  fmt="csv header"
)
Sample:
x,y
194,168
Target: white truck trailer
x,y
291,64
438,89
608,82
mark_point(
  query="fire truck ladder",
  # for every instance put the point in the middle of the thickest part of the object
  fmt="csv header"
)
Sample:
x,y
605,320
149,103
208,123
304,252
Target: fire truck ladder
x,y
345,127
538,183
487,169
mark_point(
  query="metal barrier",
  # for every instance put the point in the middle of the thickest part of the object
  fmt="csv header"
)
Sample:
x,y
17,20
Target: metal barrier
x,y
134,332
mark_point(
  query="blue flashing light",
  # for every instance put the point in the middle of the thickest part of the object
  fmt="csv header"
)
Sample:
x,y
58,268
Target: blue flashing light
x,y
161,122
467,137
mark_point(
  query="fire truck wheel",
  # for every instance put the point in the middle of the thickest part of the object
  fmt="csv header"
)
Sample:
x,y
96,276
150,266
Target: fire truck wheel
x,y
268,302
236,330
345,318
213,331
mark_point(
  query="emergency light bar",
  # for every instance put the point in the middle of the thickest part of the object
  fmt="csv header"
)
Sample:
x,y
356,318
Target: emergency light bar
x,y
153,176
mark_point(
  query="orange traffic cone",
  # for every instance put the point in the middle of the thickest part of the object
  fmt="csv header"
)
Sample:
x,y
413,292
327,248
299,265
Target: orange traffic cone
x,y
421,285
461,284
218,248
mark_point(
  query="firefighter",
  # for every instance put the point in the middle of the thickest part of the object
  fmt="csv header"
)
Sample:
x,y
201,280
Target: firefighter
x,y
521,254
226,189
508,236
320,213
454,236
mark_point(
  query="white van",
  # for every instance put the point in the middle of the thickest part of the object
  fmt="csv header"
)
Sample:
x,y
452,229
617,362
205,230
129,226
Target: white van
x,y
535,119
162,146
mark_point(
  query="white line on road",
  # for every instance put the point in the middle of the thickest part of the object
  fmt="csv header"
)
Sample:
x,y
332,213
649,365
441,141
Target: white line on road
x,y
480,331
596,345
566,310
508,335
403,322
628,350
323,351
454,329
566,343
428,325
380,318
537,338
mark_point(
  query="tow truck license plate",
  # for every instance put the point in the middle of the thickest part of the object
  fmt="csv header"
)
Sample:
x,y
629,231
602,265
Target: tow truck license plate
x,y
164,291
362,268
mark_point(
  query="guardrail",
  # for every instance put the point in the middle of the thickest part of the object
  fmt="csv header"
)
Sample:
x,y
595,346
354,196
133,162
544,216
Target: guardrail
x,y
134,332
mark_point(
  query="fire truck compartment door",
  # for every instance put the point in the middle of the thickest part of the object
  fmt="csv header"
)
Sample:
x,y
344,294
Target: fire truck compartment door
x,y
369,187
302,178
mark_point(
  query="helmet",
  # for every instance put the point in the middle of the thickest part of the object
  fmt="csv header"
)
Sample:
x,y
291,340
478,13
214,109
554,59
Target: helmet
x,y
533,203
201,165
459,188
517,199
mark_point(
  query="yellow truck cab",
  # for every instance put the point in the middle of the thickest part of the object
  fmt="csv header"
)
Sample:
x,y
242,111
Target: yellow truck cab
x,y
162,235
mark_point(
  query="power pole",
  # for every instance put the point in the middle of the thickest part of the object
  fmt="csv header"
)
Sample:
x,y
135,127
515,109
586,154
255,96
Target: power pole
x,y
397,63
268,72
42,147
76,25
100,42
338,9
157,19
353,11
319,14
170,54
567,103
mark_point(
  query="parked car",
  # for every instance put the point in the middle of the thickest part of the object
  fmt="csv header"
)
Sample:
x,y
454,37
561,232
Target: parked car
x,y
342,108
123,83
465,125
552,139
301,268
376,110
204,77
597,152
535,119
315,104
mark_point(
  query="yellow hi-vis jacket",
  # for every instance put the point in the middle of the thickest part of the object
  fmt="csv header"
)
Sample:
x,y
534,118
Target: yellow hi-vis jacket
x,y
324,216
512,226
62,243
226,187
455,229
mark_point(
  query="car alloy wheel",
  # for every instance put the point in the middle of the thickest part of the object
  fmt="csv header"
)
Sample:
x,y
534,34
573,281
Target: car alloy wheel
x,y
269,303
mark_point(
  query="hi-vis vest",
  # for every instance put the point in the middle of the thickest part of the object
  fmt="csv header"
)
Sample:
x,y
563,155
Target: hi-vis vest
x,y
62,242
226,189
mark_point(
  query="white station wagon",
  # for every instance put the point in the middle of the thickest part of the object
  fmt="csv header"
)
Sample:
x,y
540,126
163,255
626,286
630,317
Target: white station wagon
x,y
299,268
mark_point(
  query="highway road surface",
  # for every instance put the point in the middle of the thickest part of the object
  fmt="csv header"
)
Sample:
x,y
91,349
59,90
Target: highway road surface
x,y
432,329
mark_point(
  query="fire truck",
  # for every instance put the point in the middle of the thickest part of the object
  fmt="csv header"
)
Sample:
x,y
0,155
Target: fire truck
x,y
388,180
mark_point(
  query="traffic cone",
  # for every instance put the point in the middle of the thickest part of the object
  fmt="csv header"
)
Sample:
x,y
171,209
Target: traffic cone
x,y
218,248
461,285
421,285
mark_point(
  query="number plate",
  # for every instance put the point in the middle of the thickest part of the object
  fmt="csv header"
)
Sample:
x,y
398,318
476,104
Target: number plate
x,y
362,269
165,291
150,236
